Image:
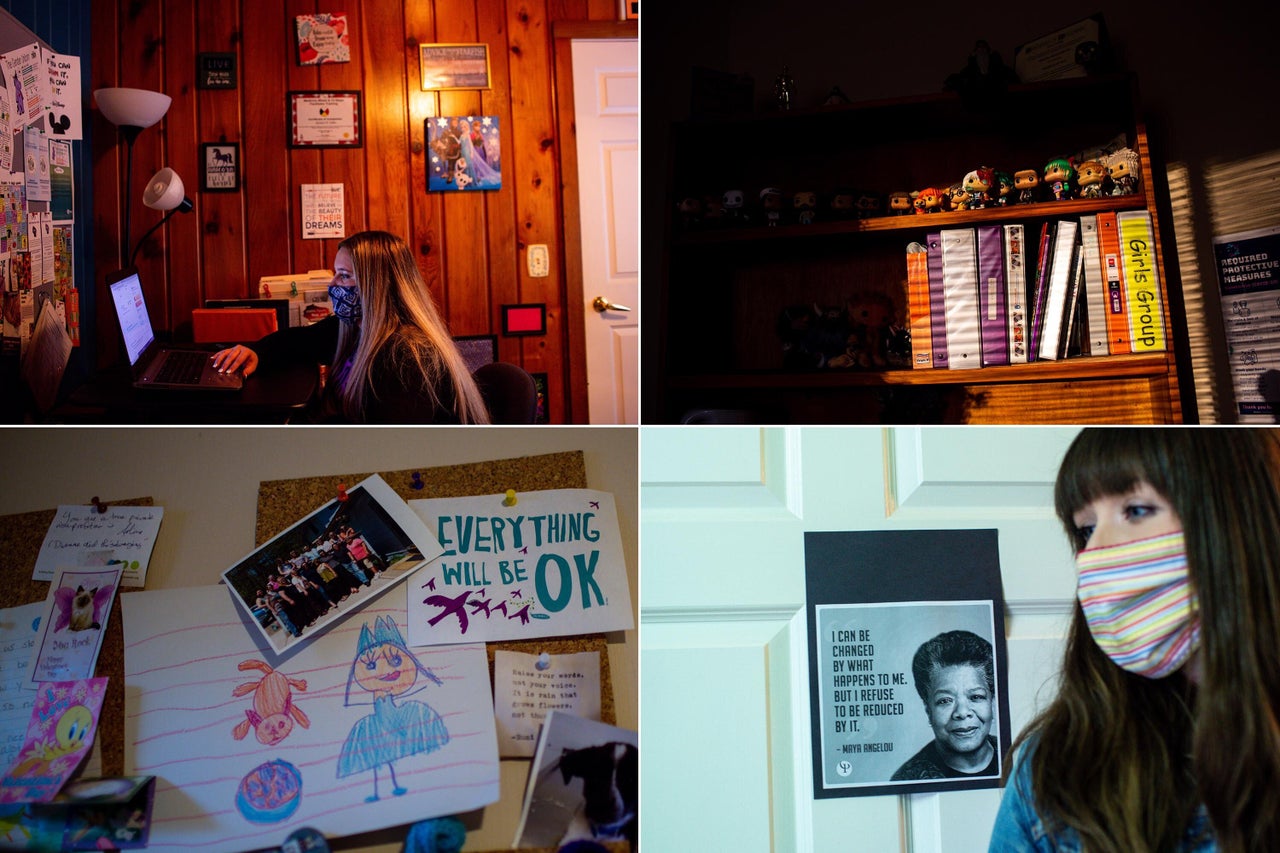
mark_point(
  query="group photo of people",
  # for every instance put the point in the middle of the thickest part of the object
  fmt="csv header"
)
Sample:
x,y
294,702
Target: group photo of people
x,y
334,560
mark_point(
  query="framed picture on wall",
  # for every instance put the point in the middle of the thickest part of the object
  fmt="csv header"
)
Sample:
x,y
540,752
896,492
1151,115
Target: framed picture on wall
x,y
220,167
477,350
454,66
324,120
465,153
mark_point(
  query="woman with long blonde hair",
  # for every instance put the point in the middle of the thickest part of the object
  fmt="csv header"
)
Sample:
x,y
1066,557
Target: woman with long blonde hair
x,y
1164,733
391,358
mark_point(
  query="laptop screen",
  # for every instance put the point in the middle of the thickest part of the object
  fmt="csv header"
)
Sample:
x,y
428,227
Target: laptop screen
x,y
131,308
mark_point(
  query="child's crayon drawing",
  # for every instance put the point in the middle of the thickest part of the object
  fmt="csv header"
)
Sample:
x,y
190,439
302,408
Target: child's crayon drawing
x,y
417,723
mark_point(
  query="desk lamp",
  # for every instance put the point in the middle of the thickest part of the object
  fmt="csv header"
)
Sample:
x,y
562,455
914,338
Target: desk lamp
x,y
131,111
164,192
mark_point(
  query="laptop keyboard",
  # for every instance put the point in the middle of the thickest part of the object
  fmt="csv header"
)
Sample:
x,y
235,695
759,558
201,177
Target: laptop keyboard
x,y
182,367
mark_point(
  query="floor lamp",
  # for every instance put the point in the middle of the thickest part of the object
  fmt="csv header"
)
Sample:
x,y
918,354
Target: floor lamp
x,y
131,111
165,191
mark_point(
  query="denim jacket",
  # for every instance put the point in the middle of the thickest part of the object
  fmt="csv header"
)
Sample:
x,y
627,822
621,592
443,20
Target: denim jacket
x,y
1019,827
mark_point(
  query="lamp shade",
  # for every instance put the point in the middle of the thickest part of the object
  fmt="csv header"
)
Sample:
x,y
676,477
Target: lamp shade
x,y
165,191
132,107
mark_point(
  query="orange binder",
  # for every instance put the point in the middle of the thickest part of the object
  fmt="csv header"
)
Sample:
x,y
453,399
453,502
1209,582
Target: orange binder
x,y
918,306
1113,274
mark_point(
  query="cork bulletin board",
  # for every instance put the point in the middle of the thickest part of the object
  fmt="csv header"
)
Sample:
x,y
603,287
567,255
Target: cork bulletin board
x,y
21,536
281,503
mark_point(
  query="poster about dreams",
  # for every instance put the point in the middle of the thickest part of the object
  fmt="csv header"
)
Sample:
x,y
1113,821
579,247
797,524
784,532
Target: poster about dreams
x,y
907,661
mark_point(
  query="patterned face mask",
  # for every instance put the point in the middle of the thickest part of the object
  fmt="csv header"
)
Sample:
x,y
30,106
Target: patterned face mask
x,y
1138,602
346,303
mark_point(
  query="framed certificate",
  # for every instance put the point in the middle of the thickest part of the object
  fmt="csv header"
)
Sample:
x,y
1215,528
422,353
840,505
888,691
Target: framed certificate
x,y
454,66
324,120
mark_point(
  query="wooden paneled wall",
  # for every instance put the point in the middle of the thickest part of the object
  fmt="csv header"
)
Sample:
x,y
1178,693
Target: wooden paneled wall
x,y
470,245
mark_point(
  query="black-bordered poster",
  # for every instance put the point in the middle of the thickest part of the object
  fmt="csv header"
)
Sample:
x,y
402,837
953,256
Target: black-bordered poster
x,y
907,660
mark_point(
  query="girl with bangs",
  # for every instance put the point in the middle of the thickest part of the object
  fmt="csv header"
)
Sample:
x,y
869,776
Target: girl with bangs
x,y
1163,735
391,358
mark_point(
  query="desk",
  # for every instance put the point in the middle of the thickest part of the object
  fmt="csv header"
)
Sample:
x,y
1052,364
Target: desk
x,y
273,395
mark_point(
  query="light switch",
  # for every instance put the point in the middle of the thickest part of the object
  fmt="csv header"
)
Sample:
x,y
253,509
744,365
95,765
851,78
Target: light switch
x,y
539,262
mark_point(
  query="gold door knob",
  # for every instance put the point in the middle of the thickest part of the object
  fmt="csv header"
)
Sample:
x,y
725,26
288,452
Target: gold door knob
x,y
602,305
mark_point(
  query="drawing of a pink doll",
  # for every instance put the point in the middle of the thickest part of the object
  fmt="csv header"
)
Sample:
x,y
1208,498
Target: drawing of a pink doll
x,y
385,671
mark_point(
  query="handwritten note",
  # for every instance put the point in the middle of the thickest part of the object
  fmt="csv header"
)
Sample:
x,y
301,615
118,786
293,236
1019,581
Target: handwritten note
x,y
74,623
19,628
79,536
525,691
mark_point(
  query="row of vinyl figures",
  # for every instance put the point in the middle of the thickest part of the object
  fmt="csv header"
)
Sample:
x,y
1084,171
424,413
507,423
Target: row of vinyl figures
x,y
1061,178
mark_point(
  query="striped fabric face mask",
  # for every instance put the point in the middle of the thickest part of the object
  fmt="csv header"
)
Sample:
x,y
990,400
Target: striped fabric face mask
x,y
1138,602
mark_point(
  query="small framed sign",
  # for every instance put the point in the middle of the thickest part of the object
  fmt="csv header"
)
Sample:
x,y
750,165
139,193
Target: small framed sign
x,y
220,168
324,120
454,66
215,70
527,319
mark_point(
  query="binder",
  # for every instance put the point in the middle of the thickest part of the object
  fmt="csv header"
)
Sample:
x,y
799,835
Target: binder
x,y
992,292
1094,341
1015,261
918,306
1142,281
1118,340
938,320
960,295
1062,268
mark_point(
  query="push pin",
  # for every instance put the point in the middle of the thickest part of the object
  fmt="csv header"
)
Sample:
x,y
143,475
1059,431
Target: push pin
x,y
544,662
510,499
98,505
417,481
342,492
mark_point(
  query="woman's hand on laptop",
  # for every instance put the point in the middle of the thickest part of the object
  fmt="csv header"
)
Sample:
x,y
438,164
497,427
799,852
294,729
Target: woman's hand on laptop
x,y
238,357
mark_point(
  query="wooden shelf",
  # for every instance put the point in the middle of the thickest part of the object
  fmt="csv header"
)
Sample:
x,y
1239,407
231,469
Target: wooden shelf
x,y
916,222
1071,369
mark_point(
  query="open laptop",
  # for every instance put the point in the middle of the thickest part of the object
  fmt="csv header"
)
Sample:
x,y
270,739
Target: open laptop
x,y
153,365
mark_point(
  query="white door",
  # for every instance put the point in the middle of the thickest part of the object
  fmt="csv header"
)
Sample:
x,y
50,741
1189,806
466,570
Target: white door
x,y
724,670
606,98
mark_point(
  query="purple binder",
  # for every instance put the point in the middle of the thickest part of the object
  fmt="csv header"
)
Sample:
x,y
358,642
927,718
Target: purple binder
x,y
992,294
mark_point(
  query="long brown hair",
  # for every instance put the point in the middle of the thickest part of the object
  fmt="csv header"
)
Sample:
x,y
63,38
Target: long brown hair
x,y
397,311
1123,759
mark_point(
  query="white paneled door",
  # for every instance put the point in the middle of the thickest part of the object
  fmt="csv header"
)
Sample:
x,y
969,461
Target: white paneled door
x,y
724,670
606,93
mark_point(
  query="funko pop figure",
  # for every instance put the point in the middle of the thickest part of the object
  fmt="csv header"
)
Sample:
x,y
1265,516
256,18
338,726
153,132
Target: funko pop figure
x,y
899,202
771,204
1004,189
1057,177
929,200
1122,168
841,205
1025,182
868,205
1089,177
958,197
805,204
978,184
